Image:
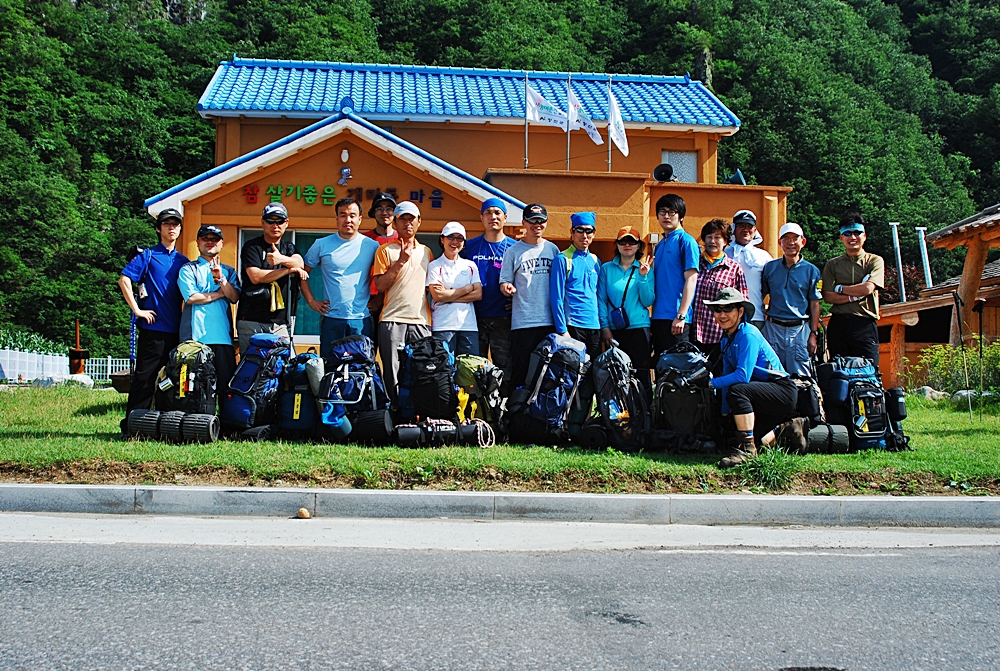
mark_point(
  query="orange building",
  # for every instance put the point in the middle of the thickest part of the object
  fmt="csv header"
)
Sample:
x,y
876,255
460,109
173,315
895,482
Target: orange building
x,y
309,133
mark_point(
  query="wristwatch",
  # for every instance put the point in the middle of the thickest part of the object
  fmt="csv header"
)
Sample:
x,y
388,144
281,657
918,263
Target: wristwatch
x,y
681,315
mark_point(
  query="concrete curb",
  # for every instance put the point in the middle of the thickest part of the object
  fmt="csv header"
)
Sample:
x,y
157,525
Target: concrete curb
x,y
707,509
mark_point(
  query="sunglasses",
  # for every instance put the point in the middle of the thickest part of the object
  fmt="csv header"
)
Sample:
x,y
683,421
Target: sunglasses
x,y
724,308
627,242
274,222
852,234
585,231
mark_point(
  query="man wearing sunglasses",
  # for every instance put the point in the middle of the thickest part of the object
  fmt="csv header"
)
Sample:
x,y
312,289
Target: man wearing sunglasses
x,y
573,285
851,283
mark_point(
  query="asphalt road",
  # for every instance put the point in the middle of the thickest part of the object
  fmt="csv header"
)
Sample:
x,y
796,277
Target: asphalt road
x,y
123,604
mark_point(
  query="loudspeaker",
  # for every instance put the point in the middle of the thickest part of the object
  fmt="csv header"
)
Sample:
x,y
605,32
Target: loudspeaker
x,y
663,172
737,178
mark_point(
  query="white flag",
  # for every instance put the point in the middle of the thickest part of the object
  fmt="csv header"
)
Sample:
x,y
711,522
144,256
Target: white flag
x,y
616,127
540,110
578,119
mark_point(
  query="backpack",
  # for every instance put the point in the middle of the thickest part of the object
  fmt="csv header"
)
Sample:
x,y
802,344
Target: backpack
x,y
426,384
621,401
685,409
351,389
481,380
188,382
542,406
253,392
810,400
853,396
297,404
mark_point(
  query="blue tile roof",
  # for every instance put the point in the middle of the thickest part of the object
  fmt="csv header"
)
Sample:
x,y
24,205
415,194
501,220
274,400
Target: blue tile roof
x,y
255,87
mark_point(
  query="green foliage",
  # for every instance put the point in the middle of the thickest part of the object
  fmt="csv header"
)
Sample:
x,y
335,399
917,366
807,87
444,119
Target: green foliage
x,y
889,106
771,470
17,337
943,367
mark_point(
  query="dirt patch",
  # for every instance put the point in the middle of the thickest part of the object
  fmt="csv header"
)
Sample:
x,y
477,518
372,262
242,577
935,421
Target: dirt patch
x,y
490,479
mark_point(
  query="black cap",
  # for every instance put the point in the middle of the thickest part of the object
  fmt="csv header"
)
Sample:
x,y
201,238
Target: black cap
x,y
209,229
380,198
169,213
535,213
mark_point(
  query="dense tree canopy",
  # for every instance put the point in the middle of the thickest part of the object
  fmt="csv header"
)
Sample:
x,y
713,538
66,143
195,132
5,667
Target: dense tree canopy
x,y
888,106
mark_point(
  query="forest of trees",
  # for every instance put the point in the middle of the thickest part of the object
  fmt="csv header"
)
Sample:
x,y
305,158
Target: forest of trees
x,y
888,106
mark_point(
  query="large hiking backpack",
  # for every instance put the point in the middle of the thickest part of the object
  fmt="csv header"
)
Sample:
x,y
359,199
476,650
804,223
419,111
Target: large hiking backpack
x,y
853,396
298,402
621,401
540,409
426,381
253,392
685,408
188,382
481,380
351,399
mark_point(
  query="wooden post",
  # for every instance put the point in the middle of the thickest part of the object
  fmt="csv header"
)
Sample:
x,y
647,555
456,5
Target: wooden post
x,y
897,346
968,287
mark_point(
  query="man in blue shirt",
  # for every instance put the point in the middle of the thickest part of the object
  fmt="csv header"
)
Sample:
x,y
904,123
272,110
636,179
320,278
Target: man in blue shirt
x,y
209,288
793,311
345,261
573,285
157,312
675,272
493,309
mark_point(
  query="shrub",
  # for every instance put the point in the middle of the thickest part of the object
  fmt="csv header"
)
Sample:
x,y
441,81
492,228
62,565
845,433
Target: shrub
x,y
941,367
22,338
773,470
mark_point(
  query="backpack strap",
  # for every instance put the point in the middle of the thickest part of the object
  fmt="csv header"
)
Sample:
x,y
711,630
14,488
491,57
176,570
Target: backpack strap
x,y
568,255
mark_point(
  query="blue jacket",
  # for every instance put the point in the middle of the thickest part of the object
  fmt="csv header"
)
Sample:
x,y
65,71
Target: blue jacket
x,y
610,285
573,291
745,357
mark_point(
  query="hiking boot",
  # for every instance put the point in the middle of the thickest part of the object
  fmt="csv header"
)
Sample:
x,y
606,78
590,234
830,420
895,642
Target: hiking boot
x,y
747,449
793,435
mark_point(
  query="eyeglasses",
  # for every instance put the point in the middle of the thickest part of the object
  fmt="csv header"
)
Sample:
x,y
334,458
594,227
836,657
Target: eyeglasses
x,y
627,242
385,210
664,212
724,308
852,234
455,238
585,231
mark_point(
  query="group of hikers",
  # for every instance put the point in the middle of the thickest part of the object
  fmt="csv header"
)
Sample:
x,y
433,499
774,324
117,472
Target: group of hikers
x,y
756,318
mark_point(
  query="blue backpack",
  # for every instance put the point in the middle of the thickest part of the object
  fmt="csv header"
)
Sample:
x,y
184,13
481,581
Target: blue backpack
x,y
853,396
542,406
297,403
351,385
253,392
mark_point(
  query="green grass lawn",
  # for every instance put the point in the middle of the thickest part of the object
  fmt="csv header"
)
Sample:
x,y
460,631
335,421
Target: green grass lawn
x,y
71,434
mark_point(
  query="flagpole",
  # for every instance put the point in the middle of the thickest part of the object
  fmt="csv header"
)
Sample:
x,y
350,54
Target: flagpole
x,y
569,114
525,119
609,122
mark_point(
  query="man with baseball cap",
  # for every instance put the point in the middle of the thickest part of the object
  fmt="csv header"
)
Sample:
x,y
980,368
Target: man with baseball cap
x,y
793,285
752,259
157,312
400,271
344,260
524,277
381,211
494,308
269,266
208,288
573,285
851,283
455,286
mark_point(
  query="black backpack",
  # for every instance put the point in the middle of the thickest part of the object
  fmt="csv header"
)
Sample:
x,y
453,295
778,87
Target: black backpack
x,y
685,408
188,382
426,383
621,401
853,396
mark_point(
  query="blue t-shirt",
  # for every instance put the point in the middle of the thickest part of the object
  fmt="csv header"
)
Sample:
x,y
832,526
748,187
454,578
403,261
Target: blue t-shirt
x,y
210,323
748,357
675,254
573,291
346,267
790,289
488,256
156,269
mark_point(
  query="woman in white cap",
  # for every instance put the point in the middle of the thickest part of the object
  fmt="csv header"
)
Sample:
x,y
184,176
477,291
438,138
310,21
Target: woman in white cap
x,y
454,285
754,387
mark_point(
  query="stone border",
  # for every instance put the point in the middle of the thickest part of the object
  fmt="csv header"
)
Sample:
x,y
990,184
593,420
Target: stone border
x,y
706,509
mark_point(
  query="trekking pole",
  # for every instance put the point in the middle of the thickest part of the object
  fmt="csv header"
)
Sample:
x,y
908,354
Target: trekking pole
x,y
961,336
978,309
293,306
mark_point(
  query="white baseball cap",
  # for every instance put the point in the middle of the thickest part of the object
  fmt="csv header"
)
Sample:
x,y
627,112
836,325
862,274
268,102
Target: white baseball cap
x,y
451,228
406,207
791,227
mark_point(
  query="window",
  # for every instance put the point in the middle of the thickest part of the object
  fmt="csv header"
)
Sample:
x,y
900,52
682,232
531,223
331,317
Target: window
x,y
684,163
